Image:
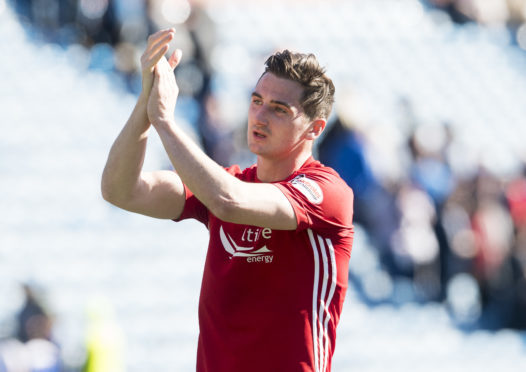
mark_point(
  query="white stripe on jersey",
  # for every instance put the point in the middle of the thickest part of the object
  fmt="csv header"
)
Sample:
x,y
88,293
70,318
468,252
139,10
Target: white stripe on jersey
x,y
329,299
321,313
320,306
315,300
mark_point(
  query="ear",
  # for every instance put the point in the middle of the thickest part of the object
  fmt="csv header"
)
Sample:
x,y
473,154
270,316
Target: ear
x,y
316,128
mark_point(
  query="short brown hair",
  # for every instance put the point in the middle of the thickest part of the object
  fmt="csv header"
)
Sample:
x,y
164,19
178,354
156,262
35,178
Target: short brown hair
x,y
318,89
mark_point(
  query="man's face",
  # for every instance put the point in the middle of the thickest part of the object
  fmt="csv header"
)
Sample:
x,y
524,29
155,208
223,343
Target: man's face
x,y
277,124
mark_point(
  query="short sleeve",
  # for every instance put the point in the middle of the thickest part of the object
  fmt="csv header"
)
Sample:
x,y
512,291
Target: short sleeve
x,y
320,200
193,208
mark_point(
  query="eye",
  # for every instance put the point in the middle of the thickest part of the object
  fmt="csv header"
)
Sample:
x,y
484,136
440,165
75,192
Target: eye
x,y
256,101
280,110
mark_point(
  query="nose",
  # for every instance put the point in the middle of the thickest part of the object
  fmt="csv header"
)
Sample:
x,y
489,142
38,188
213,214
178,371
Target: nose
x,y
261,116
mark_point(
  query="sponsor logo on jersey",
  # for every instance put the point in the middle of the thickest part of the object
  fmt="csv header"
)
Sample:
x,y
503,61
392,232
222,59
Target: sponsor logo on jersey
x,y
309,188
250,235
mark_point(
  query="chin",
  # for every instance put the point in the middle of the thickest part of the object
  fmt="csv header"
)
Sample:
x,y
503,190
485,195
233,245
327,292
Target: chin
x,y
256,149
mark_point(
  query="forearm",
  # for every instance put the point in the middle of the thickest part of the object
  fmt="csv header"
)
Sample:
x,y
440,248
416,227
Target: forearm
x,y
224,195
125,160
209,182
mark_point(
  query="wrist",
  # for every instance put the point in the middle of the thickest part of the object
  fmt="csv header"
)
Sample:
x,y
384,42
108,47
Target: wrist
x,y
143,97
161,122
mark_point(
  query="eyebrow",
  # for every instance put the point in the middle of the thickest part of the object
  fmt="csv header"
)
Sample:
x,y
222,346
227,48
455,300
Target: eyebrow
x,y
287,105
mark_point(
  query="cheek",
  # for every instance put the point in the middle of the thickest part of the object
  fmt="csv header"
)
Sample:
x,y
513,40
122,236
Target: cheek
x,y
288,137
296,131
250,112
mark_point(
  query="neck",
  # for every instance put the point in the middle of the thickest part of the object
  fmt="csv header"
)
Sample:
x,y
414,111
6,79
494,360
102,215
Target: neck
x,y
273,170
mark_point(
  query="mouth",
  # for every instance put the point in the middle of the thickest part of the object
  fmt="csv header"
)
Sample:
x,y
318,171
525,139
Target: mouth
x,y
258,135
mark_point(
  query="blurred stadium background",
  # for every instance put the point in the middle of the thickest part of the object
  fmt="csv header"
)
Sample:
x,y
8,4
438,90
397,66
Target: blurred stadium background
x,y
429,129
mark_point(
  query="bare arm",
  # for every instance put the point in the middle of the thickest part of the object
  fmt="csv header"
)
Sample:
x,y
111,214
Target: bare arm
x,y
157,194
227,197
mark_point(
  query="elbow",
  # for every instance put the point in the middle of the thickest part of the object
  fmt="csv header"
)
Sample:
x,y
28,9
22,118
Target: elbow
x,y
111,193
106,188
107,192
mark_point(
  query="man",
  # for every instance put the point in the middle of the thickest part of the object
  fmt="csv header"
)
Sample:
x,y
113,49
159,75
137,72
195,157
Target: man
x,y
281,231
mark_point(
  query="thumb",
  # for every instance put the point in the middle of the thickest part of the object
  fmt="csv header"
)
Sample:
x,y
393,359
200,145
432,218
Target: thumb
x,y
175,58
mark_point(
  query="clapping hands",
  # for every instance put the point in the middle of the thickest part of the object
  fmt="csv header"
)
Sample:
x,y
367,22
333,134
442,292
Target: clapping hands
x,y
158,79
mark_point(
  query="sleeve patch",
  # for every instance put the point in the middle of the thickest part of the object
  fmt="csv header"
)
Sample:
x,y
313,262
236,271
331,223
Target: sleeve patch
x,y
309,188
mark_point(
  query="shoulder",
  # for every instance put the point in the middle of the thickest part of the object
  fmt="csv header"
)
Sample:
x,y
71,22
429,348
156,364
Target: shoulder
x,y
318,176
321,193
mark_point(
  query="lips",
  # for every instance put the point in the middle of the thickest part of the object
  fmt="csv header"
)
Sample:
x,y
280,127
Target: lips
x,y
258,134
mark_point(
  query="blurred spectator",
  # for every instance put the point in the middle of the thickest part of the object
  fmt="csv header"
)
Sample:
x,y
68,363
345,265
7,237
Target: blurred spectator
x,y
516,199
493,232
515,194
452,9
33,320
216,135
430,170
32,350
415,245
488,12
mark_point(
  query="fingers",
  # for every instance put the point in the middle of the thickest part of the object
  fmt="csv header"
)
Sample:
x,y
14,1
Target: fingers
x,y
175,58
158,45
153,60
159,39
155,38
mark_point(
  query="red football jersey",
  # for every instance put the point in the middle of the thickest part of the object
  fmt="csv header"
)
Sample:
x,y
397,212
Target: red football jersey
x,y
271,299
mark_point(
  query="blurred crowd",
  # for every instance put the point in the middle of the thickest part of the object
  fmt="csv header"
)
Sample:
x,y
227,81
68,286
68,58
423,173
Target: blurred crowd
x,y
486,12
509,14
456,238
115,31
110,36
